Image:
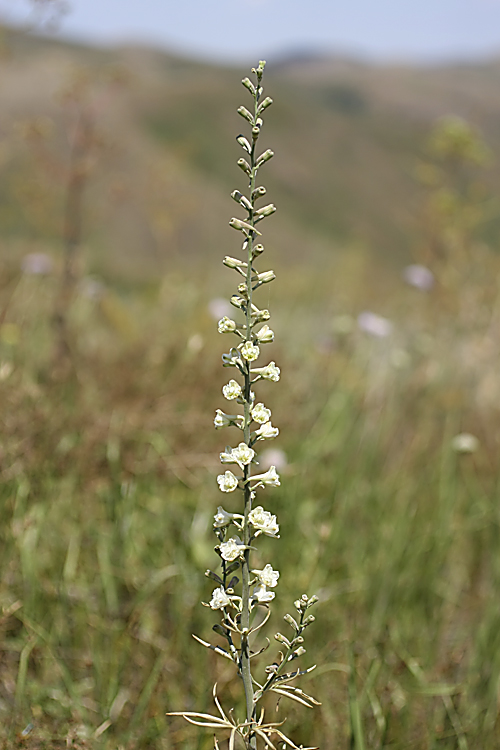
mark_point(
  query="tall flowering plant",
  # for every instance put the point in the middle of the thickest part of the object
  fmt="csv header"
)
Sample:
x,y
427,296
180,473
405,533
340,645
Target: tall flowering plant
x,y
243,593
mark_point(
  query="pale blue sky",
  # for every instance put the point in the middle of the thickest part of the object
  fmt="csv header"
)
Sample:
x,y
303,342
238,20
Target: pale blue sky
x,y
244,30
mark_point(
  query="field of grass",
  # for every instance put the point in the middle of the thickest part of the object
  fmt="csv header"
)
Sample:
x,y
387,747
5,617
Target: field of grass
x,y
108,457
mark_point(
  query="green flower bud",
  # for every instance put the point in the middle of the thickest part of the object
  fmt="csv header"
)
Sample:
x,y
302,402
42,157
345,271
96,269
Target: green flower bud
x,y
233,262
281,639
265,211
265,104
247,83
244,143
242,226
264,157
257,250
245,166
259,192
243,111
289,619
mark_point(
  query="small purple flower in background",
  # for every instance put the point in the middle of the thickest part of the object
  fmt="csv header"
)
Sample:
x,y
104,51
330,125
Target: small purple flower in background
x,y
374,324
419,277
37,264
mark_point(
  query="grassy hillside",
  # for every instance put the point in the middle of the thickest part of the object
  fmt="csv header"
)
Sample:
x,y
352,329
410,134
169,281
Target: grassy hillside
x,y
349,139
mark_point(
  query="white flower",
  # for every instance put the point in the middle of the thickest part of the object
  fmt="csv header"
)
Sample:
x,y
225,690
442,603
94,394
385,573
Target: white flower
x,y
374,325
226,325
270,478
222,517
267,432
262,595
227,482
232,390
232,549
267,576
265,335
419,276
260,414
226,420
249,351
270,372
241,455
465,443
263,521
219,599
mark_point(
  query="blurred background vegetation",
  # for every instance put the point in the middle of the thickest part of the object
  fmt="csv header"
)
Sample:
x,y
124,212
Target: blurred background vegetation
x,y
114,201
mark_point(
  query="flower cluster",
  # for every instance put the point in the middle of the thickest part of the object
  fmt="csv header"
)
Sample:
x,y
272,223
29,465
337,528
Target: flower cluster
x,y
237,600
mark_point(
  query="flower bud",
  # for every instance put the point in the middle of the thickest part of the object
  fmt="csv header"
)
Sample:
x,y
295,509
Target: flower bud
x,y
309,620
245,166
226,325
237,302
244,143
265,211
312,600
233,262
258,250
265,277
255,133
290,620
242,288
281,639
247,83
242,226
263,158
243,111
299,651
259,192
264,336
265,104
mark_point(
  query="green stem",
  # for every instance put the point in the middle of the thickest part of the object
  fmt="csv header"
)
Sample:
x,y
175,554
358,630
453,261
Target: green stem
x,y
245,568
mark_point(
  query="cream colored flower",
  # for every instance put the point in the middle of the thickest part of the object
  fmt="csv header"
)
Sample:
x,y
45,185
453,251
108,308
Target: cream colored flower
x,y
260,414
226,325
232,390
263,521
262,595
241,455
269,372
227,482
267,432
219,599
270,478
222,517
231,549
249,351
265,335
267,576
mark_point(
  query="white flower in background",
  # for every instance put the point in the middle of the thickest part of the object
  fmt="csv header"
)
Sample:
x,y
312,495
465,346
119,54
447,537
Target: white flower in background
x,y
37,264
219,599
273,457
222,517
263,521
231,549
226,420
269,372
419,277
227,482
262,595
267,432
249,351
260,414
374,325
267,576
219,307
232,390
465,443
270,478
226,325
265,335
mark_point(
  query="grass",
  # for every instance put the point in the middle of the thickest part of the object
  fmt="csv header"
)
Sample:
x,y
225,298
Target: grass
x,y
108,492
